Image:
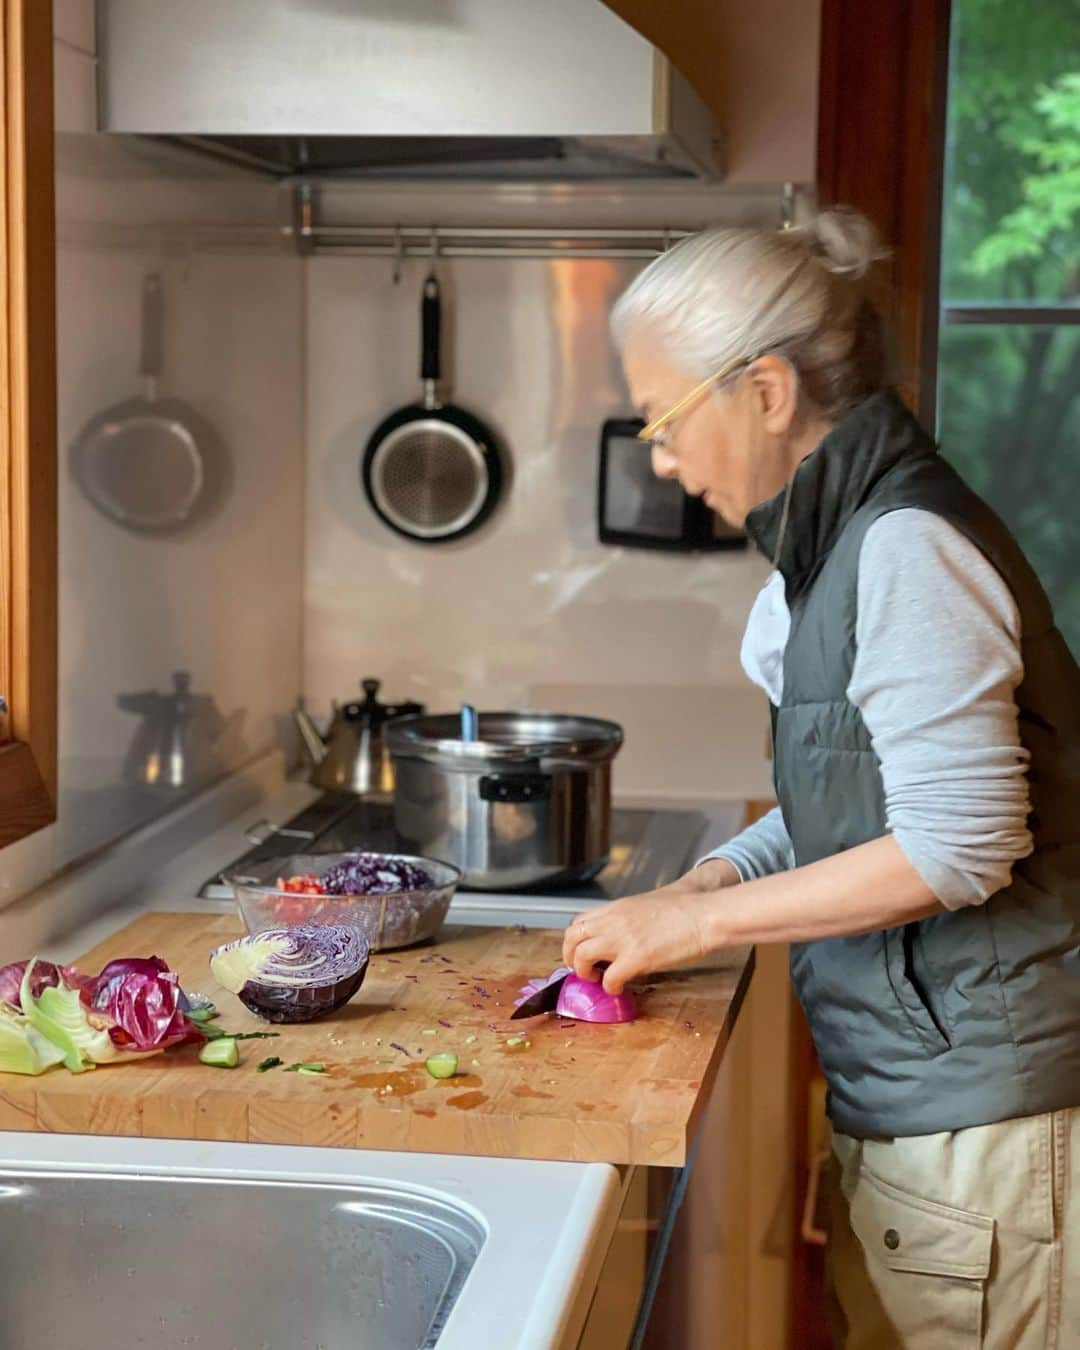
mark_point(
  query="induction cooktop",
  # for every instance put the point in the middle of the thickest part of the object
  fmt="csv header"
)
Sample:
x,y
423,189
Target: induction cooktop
x,y
649,848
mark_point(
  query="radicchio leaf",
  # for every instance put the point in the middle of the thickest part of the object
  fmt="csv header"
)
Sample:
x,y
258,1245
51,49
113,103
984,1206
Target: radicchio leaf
x,y
43,976
143,998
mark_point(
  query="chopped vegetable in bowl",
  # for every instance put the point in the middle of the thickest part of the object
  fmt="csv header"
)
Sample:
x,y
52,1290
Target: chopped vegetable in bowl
x,y
375,874
395,899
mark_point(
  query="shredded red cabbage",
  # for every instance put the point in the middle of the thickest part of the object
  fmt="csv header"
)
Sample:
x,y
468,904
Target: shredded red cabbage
x,y
372,874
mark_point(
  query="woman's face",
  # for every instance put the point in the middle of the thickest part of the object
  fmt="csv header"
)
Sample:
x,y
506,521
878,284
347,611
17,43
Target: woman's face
x,y
732,446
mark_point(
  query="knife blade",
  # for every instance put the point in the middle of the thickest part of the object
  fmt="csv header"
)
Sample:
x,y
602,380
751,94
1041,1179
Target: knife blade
x,y
546,999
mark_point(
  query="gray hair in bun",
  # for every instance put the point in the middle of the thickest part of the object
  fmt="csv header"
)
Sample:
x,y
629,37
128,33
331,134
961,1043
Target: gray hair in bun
x,y
728,293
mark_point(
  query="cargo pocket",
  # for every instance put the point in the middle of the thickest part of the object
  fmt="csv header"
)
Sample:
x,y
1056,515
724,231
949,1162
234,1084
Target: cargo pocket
x,y
926,1265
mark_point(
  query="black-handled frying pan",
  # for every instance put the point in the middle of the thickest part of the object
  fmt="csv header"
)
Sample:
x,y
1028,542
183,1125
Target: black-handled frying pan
x,y
431,470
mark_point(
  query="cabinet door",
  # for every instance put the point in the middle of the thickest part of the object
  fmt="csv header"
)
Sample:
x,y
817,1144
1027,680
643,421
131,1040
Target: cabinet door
x,y
27,424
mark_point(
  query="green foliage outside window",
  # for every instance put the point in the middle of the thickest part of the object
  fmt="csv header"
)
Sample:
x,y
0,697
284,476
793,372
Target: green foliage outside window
x,y
1010,393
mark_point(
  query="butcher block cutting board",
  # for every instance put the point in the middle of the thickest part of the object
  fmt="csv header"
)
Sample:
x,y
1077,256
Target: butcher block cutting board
x,y
573,1091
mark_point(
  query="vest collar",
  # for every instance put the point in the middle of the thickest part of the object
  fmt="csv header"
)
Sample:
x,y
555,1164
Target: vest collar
x,y
833,481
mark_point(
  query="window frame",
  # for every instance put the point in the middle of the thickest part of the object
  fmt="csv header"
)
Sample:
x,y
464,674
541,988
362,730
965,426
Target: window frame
x,y
28,483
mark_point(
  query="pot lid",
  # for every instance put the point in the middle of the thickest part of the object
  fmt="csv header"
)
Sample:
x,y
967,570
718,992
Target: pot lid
x,y
505,738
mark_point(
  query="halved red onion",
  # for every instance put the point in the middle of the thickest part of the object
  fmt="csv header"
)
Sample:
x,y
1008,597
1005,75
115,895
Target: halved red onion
x,y
588,1001
583,1000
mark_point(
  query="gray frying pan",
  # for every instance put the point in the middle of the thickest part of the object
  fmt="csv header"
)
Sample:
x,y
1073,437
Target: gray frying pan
x,y
151,464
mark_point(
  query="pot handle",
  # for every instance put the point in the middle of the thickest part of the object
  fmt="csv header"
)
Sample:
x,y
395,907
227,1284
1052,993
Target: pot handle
x,y
515,787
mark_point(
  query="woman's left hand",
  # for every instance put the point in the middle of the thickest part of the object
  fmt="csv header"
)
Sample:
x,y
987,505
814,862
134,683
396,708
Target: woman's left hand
x,y
636,936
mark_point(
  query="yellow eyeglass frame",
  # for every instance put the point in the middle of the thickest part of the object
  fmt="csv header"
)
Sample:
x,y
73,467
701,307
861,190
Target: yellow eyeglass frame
x,y
729,368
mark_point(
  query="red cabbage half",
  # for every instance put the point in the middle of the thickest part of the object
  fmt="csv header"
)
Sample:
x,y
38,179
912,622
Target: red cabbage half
x,y
294,974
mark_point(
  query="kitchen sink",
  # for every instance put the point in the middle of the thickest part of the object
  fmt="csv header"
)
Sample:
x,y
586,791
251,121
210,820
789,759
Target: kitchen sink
x,y
220,1263
201,1244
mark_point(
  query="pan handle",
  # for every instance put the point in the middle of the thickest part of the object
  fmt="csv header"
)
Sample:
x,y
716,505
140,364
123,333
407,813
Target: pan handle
x,y
430,320
150,352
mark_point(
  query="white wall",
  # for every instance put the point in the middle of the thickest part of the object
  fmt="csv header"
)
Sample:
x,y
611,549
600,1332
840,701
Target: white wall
x,y
222,598
531,611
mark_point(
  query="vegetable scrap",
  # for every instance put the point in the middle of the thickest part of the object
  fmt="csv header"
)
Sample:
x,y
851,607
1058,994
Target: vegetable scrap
x,y
52,1015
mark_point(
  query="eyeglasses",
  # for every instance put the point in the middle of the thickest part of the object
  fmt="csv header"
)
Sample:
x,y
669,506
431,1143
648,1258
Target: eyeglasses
x,y
729,368
648,433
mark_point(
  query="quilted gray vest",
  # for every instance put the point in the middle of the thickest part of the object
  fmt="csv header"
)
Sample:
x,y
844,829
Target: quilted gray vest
x,y
972,1015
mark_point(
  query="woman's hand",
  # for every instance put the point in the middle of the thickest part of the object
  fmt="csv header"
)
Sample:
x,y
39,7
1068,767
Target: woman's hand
x,y
644,933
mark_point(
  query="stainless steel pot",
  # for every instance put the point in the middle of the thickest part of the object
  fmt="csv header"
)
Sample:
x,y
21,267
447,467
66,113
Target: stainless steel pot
x,y
528,801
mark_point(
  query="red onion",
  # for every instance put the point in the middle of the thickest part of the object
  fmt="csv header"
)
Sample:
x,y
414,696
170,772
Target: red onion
x,y
588,1001
583,1000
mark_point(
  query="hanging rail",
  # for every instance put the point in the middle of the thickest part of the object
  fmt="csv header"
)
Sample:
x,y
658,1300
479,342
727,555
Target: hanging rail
x,y
307,235
510,241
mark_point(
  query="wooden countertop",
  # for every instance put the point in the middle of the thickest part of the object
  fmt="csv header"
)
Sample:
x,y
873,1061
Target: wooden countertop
x,y
576,1092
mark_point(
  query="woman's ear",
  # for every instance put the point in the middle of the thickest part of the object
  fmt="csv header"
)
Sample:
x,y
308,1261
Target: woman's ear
x,y
775,391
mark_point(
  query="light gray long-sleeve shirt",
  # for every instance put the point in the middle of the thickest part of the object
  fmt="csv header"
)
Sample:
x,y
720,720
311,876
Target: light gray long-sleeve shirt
x,y
937,661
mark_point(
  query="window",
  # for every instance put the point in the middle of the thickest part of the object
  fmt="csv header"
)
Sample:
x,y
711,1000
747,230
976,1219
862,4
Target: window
x,y
28,424
1009,355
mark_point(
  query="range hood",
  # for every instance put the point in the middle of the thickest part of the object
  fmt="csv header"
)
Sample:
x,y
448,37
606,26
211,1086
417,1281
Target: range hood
x,y
404,89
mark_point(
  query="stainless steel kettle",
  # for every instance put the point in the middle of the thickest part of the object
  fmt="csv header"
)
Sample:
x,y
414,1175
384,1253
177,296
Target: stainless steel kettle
x,y
352,755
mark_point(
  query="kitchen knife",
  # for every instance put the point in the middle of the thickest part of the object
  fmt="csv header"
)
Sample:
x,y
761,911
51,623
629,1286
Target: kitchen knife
x,y
545,998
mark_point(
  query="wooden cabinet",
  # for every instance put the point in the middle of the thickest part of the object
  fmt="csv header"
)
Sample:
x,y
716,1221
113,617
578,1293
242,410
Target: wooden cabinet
x,y
28,427
725,1283
762,90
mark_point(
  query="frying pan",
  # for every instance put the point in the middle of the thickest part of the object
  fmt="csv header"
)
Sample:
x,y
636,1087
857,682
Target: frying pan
x,y
431,470
150,463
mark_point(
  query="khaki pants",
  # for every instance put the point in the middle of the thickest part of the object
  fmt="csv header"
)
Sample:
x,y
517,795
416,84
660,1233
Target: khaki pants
x,y
956,1240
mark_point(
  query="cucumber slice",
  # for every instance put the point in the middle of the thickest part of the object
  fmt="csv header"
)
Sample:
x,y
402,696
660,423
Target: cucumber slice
x,y
441,1066
220,1053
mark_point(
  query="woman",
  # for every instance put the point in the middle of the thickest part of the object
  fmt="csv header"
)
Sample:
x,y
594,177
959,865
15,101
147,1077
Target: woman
x,y
924,861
